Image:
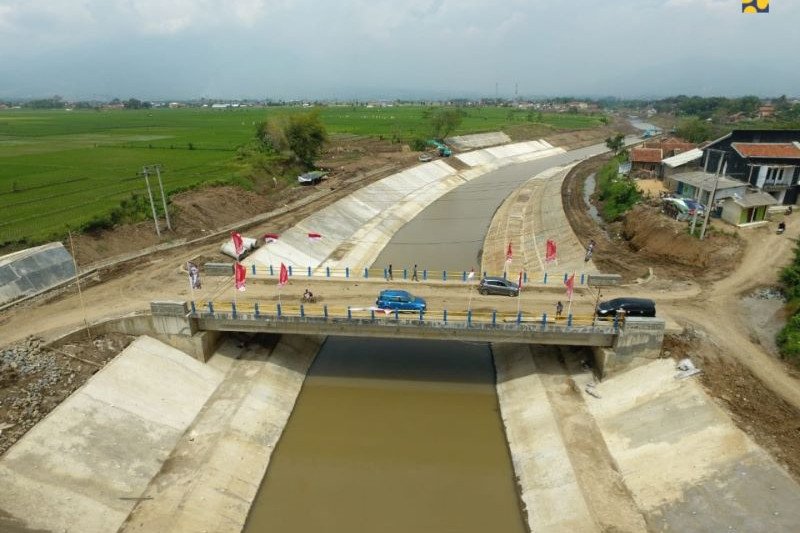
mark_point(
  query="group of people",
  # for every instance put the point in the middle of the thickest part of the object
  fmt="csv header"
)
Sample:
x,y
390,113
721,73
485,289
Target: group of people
x,y
390,276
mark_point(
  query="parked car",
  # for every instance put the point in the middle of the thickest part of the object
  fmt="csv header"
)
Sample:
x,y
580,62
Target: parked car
x,y
693,206
631,306
425,157
400,300
495,285
311,178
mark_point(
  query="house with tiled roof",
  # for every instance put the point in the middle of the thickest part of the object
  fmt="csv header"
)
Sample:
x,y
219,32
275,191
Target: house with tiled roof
x,y
768,160
646,159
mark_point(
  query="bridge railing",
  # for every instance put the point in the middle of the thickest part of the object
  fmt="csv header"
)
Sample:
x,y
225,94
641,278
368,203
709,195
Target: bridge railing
x,y
406,274
248,310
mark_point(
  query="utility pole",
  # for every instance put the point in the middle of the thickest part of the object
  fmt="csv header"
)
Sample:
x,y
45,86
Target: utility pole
x,y
713,194
163,197
152,204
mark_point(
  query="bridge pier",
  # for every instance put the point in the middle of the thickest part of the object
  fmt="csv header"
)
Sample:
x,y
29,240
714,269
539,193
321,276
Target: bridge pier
x,y
640,340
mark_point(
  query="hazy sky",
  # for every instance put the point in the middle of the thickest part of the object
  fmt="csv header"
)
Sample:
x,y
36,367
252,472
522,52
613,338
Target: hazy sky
x,y
295,49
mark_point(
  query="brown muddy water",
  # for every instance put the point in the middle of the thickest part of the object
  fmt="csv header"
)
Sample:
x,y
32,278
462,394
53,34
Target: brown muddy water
x,y
392,436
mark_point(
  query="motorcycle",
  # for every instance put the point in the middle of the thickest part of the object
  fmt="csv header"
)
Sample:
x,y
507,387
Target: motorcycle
x,y
781,227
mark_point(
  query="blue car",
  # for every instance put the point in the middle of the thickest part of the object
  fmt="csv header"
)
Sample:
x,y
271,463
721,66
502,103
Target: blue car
x,y
400,300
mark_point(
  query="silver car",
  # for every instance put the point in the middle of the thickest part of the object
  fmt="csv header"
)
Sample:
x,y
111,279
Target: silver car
x,y
497,285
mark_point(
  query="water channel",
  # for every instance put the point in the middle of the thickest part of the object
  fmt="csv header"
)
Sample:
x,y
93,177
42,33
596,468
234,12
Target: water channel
x,y
392,435
398,435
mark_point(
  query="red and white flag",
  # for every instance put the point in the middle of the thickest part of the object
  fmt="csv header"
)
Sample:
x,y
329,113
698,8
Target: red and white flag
x,y
239,275
270,237
471,273
550,254
570,284
238,244
283,277
509,253
314,237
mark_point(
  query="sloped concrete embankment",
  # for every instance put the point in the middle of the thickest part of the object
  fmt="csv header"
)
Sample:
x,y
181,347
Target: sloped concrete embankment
x,y
529,217
212,476
355,229
83,467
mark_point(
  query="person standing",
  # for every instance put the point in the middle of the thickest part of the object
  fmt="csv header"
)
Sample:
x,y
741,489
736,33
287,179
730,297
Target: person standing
x,y
414,274
389,272
559,309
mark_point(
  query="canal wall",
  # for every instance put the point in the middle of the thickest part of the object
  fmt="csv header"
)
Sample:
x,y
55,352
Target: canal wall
x,y
83,467
212,476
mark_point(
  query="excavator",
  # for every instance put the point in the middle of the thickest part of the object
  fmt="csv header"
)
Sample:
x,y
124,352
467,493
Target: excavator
x,y
444,150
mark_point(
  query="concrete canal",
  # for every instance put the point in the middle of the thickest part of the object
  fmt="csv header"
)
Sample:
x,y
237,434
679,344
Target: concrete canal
x,y
391,435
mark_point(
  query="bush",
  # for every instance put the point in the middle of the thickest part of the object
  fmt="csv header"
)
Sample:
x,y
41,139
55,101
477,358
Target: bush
x,y
418,145
617,193
789,337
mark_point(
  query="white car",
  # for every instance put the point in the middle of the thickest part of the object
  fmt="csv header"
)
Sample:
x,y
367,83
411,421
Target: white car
x,y
311,178
425,157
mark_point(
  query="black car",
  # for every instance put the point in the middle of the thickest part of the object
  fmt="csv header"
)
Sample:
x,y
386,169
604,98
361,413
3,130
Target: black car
x,y
631,306
496,285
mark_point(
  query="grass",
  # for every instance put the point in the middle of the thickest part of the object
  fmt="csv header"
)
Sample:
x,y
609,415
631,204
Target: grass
x,y
65,168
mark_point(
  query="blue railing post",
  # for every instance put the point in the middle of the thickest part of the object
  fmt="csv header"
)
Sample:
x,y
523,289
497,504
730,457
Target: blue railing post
x,y
347,272
444,314
569,320
616,323
545,278
421,313
254,269
565,277
494,317
385,274
271,273
504,274
582,278
278,307
255,306
309,271
544,320
302,311
525,277
405,273
484,273
397,314
519,317
290,271
366,273
327,271
211,307
194,310
372,314
444,275
425,275
349,313
233,309
469,317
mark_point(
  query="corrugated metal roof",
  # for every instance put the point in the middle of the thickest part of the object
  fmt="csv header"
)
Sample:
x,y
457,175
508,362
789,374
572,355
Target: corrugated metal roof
x,y
682,159
770,150
755,199
705,180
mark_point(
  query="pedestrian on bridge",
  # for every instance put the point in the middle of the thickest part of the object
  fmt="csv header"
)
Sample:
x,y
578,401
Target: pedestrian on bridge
x,y
414,274
559,309
389,273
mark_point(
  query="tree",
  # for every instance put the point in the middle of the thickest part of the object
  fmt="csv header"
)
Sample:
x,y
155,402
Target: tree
x,y
445,121
616,143
694,130
305,135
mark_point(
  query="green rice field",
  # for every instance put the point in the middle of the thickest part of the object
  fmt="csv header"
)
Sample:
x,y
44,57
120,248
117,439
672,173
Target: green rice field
x,y
60,169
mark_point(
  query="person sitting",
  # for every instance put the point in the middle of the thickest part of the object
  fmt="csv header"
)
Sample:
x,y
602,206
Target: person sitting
x,y
308,296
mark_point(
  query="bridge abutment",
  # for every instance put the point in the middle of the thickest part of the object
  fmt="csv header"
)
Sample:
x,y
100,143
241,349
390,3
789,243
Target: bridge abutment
x,y
639,340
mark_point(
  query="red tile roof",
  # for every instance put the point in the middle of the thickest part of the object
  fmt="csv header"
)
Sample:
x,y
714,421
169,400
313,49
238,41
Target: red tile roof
x,y
772,150
646,155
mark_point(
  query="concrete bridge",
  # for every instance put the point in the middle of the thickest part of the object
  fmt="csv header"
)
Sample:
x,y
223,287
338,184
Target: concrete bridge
x,y
197,330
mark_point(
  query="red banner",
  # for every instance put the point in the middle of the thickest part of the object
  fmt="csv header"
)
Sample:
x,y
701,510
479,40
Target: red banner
x,y
570,284
239,274
551,251
283,278
238,244
314,236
